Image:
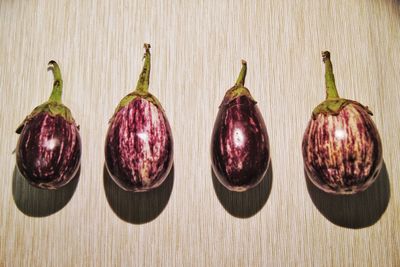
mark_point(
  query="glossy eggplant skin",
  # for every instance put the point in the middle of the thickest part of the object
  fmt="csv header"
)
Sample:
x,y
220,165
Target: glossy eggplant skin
x,y
139,146
240,152
342,153
48,151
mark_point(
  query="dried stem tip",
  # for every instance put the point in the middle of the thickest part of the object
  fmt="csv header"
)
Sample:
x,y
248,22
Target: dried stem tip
x,y
325,56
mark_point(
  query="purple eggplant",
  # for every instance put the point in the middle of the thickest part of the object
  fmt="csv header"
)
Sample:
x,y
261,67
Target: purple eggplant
x,y
240,152
342,149
139,144
49,145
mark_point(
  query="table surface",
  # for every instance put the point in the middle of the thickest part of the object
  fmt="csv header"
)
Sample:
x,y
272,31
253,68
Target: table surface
x,y
196,51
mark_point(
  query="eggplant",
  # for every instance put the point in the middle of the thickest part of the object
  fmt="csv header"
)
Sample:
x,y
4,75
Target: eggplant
x,y
48,151
240,152
139,143
341,147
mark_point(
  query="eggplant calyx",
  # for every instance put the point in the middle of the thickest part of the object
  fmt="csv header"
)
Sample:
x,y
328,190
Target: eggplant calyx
x,y
235,92
142,87
132,96
333,103
50,107
334,106
238,89
53,106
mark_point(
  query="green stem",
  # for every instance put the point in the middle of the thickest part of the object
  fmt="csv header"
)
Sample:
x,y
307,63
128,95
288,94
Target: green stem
x,y
242,75
143,82
331,91
58,83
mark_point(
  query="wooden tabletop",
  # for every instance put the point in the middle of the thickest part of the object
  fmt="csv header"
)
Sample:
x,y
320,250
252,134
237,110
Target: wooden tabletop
x,y
196,51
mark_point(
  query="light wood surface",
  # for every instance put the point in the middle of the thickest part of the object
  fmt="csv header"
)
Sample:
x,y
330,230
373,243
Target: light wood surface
x,y
196,52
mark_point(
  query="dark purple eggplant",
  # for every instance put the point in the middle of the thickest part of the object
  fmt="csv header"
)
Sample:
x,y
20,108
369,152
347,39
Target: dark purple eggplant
x,y
342,149
240,152
49,145
139,144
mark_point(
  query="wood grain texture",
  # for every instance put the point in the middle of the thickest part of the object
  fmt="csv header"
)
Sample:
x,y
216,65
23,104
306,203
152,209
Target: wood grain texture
x,y
196,52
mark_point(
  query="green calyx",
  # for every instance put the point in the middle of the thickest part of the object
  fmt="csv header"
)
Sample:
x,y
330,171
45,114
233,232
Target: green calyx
x,y
333,103
238,89
53,106
142,86
330,107
333,107
130,97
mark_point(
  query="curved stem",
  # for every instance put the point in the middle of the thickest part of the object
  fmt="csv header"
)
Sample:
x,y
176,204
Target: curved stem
x,y
58,83
143,82
242,75
331,91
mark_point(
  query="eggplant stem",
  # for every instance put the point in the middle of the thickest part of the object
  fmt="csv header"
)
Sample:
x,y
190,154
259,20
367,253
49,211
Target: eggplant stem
x,y
58,83
242,75
331,91
143,82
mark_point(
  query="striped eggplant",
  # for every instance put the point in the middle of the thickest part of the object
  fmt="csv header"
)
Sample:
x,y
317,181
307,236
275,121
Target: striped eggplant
x,y
240,152
342,150
49,146
139,144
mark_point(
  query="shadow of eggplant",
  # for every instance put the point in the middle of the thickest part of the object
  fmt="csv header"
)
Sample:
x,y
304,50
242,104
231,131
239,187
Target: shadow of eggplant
x,y
244,204
353,211
36,202
138,207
